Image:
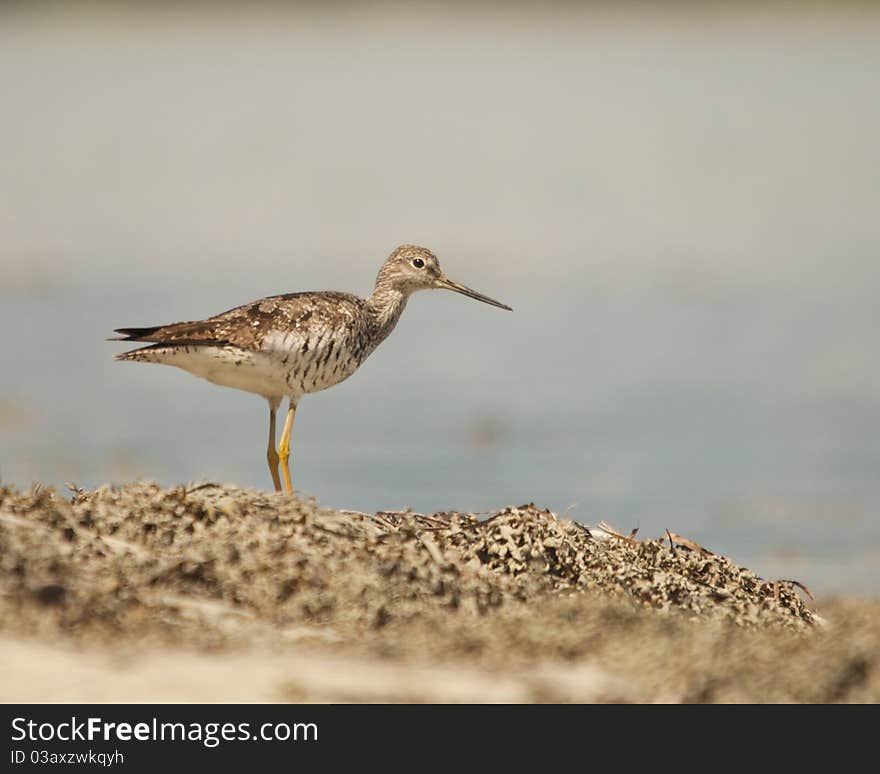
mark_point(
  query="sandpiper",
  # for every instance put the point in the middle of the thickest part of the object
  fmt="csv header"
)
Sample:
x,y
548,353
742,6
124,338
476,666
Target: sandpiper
x,y
289,345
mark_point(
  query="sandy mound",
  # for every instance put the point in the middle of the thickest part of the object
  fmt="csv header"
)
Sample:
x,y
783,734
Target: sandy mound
x,y
549,609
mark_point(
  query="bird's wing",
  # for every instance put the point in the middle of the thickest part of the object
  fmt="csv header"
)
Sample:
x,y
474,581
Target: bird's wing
x,y
247,326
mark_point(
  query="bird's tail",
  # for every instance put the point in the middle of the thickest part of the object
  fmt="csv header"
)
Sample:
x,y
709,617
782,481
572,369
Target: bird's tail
x,y
149,354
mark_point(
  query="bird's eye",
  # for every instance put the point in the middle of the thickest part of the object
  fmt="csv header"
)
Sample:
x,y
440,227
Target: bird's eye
x,y
418,263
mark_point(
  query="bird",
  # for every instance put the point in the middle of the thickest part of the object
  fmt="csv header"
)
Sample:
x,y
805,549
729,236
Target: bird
x,y
290,345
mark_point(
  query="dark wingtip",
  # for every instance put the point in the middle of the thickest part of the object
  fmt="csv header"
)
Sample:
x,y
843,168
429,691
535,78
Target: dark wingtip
x,y
134,334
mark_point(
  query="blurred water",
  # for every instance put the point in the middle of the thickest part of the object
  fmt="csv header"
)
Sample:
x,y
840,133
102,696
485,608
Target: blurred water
x,y
681,207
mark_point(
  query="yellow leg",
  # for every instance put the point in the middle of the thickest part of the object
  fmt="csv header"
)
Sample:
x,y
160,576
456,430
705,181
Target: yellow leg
x,y
284,447
271,454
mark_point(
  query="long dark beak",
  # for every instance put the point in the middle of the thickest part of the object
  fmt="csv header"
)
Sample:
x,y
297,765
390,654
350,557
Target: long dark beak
x,y
445,282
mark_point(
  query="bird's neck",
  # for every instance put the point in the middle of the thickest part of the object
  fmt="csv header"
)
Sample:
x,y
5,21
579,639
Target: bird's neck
x,y
384,307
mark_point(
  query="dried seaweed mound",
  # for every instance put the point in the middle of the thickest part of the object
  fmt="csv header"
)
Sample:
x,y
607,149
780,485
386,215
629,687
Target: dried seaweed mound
x,y
206,564
530,543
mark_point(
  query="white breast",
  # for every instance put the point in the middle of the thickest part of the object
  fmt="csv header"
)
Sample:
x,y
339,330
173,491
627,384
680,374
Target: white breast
x,y
313,362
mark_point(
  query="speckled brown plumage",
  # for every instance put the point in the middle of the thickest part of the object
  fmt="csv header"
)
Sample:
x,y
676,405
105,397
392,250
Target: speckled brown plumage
x,y
247,326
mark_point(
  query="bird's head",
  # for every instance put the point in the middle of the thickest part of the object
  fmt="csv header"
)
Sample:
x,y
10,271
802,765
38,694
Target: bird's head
x,y
410,268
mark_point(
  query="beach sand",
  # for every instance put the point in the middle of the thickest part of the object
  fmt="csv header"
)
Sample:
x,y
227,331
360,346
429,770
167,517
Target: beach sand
x,y
214,593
